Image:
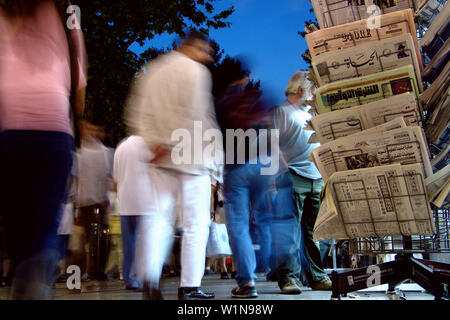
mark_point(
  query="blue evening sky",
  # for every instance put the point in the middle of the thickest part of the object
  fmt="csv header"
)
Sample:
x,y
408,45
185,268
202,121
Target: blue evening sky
x,y
266,32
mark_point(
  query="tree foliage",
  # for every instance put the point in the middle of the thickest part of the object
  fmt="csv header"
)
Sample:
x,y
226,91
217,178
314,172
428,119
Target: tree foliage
x,y
111,27
305,55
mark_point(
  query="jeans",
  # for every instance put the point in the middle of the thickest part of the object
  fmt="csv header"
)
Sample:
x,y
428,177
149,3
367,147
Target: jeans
x,y
285,206
306,193
245,188
34,168
129,227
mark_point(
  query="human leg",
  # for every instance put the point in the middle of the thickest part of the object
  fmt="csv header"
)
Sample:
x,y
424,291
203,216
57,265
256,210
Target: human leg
x,y
129,231
155,229
285,256
35,166
237,211
195,202
308,204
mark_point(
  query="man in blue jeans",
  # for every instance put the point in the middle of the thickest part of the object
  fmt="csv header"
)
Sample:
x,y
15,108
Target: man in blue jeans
x,y
250,192
291,117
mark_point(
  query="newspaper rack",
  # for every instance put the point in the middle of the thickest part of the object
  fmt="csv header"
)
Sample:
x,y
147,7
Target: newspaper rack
x,y
432,276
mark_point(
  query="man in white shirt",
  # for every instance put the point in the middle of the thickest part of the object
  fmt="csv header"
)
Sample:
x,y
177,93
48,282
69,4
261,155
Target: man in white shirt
x,y
174,94
135,197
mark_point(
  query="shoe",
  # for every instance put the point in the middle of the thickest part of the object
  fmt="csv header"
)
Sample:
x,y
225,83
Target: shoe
x,y
86,278
233,274
225,275
272,276
324,284
130,287
2,282
208,272
62,278
244,292
290,286
193,294
151,293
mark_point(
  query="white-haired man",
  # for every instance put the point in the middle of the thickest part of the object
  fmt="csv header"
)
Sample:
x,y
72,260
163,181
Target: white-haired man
x,y
290,117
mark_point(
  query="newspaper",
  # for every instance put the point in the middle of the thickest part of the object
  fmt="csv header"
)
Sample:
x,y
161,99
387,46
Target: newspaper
x,y
373,202
439,86
443,195
361,31
437,28
358,91
435,66
366,59
428,10
331,13
364,150
440,119
437,181
341,123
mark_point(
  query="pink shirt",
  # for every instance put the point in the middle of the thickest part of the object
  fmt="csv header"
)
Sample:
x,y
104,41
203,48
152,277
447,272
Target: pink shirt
x,y
35,73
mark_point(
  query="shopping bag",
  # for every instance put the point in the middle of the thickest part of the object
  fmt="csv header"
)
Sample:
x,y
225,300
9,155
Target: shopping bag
x,y
218,244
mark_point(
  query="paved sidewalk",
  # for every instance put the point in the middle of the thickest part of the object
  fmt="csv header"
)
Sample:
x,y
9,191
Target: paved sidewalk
x,y
114,290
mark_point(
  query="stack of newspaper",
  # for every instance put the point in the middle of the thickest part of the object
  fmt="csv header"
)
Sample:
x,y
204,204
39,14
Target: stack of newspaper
x,y
436,98
437,33
381,201
427,11
438,186
366,59
340,123
374,155
358,91
373,148
331,13
362,31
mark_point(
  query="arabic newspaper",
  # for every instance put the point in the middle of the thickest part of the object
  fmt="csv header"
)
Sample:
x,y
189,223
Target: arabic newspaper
x,y
358,91
373,202
331,13
366,59
365,150
361,31
341,123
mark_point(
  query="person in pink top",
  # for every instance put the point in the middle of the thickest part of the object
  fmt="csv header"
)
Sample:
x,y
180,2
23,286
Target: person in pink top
x,y
42,73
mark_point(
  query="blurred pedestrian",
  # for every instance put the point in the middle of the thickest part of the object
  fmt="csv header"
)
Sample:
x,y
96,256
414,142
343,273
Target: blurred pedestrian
x,y
290,118
42,66
173,96
134,193
248,190
94,183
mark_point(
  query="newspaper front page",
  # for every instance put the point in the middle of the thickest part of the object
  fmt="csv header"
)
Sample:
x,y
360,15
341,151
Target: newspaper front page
x,y
331,13
365,150
358,91
366,59
341,123
361,31
373,202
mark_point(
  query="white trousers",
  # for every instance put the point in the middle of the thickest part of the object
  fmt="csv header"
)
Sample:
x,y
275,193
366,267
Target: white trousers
x,y
156,228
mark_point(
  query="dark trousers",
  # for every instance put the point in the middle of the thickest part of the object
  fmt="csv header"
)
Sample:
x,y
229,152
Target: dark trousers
x,y
34,168
306,195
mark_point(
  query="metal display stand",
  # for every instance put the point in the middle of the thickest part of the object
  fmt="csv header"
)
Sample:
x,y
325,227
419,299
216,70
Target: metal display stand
x,y
432,276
